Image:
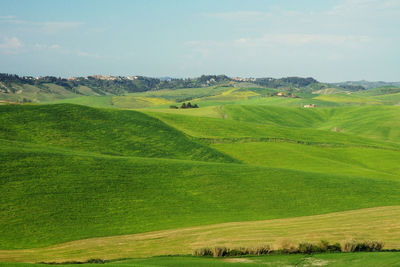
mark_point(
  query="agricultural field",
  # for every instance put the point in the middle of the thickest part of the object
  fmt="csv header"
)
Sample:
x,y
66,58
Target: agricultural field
x,y
136,178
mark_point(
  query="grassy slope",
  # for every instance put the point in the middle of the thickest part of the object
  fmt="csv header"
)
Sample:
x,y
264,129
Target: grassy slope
x,y
378,122
138,101
93,195
393,99
380,223
185,94
350,160
92,101
106,131
348,99
217,130
47,92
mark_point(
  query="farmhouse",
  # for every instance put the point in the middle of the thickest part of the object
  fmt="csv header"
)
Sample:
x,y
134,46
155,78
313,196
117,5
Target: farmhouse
x,y
310,106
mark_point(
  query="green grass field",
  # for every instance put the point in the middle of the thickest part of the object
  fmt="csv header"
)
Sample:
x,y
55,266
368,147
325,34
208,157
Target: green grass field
x,y
79,182
389,259
106,195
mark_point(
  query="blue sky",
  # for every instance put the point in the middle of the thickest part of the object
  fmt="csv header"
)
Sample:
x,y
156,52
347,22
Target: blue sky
x,y
330,40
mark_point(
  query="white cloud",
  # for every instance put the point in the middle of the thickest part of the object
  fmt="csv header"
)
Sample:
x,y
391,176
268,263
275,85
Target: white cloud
x,y
204,43
343,7
48,27
6,17
297,39
375,8
11,45
350,27
280,41
45,46
54,46
350,13
62,50
239,15
54,27
86,54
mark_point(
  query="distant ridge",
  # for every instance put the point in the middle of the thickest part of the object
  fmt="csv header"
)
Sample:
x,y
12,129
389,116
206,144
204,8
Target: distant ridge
x,y
368,84
22,89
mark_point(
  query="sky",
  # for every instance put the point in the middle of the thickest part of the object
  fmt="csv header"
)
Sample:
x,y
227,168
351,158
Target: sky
x,y
330,40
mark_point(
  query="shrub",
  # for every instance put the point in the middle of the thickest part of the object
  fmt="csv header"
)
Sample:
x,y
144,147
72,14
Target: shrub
x,y
369,246
238,252
224,251
188,105
220,251
376,245
324,246
349,246
260,250
354,246
288,247
202,252
75,262
308,248
334,248
96,261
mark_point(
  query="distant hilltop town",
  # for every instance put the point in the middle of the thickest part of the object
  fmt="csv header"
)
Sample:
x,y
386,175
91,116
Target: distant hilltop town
x,y
204,78
107,77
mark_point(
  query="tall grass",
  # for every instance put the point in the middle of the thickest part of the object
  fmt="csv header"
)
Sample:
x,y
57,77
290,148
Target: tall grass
x,y
288,247
226,252
357,246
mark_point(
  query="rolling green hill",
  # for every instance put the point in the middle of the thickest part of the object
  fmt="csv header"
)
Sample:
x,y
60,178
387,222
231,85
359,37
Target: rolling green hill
x,y
217,130
113,132
72,172
53,195
378,122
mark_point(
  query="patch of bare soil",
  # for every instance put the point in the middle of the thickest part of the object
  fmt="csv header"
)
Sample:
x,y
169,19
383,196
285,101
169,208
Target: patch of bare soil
x,y
315,262
238,260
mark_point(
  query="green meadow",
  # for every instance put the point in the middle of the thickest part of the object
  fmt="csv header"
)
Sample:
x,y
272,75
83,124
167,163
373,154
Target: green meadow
x,y
334,260
125,176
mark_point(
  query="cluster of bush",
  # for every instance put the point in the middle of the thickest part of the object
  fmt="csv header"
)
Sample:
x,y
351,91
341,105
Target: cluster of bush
x,y
225,252
289,248
184,105
354,246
